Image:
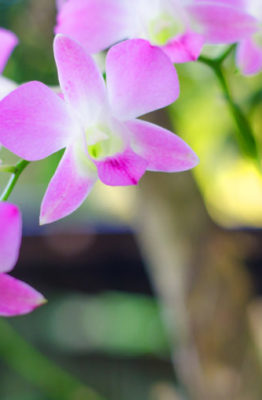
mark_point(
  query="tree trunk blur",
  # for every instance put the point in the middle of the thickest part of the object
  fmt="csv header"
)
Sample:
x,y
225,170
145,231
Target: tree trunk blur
x,y
203,288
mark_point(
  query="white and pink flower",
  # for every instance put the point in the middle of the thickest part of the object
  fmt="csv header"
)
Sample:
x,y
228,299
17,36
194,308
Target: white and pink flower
x,y
179,27
249,51
96,123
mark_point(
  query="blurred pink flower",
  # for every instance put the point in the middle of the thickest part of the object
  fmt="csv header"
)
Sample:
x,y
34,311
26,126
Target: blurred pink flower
x,y
179,27
16,297
8,41
249,51
96,122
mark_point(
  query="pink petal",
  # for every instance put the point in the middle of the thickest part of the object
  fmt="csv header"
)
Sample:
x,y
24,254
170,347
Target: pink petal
x,y
8,41
34,122
80,79
232,3
96,24
163,150
17,297
10,235
184,48
70,185
220,23
122,169
140,79
249,57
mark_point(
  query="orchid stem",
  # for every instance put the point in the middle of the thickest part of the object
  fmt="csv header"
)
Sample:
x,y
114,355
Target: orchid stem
x,y
34,367
221,58
16,172
244,134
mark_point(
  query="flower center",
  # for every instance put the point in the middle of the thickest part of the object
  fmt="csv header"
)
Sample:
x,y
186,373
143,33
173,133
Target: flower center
x,y
163,28
103,140
95,150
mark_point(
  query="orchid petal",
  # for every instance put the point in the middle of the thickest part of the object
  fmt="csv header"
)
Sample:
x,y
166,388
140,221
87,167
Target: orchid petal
x,y
96,24
220,23
122,169
81,82
184,48
232,3
70,185
8,41
249,57
140,79
16,297
163,150
34,122
10,235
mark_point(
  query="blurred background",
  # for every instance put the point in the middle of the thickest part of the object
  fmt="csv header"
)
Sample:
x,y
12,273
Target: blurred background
x,y
153,291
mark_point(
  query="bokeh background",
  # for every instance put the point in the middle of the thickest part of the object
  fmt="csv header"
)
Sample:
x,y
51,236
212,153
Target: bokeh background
x,y
154,291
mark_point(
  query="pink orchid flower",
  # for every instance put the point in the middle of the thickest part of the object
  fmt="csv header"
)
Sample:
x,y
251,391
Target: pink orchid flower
x,y
8,41
179,27
96,122
16,297
249,51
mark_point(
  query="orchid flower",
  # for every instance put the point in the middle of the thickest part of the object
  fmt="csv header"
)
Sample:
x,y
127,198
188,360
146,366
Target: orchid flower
x,y
249,51
16,297
8,41
96,122
179,27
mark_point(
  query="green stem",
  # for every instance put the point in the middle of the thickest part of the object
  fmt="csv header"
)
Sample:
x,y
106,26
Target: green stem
x,y
18,169
220,59
244,134
39,370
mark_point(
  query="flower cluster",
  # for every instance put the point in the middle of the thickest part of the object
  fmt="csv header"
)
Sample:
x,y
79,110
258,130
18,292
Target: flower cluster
x,y
179,27
95,119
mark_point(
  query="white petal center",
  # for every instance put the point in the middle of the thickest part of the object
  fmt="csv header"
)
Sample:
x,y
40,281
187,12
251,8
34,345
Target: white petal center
x,y
159,20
